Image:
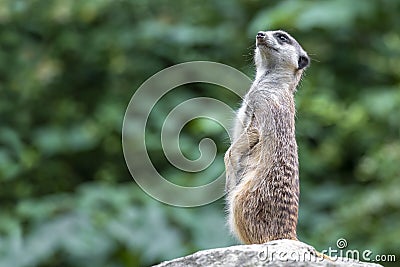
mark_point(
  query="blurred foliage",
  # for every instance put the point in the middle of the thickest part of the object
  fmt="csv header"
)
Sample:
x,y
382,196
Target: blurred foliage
x,y
69,68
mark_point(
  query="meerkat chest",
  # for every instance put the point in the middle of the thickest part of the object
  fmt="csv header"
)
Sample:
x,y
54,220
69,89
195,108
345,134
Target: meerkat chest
x,y
246,111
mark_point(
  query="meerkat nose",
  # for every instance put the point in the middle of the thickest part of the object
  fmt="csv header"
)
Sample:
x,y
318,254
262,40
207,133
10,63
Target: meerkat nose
x,y
260,35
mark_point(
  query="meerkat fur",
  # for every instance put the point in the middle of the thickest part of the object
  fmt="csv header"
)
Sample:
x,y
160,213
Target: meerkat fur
x,y
262,169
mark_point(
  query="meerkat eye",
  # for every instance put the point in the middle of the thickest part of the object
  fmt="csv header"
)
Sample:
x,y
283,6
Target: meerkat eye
x,y
282,38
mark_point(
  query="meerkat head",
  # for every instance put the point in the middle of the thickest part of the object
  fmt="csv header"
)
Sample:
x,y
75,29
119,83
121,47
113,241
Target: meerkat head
x,y
279,50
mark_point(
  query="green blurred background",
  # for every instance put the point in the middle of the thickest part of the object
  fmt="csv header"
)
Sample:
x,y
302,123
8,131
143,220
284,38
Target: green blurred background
x,y
69,68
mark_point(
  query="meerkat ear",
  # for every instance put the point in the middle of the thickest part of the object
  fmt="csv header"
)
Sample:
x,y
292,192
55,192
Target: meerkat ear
x,y
303,62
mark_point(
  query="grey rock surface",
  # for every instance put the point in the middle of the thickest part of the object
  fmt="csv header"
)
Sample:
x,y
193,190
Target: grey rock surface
x,y
274,253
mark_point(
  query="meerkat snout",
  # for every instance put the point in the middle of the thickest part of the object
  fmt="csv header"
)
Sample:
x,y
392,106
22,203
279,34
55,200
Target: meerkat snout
x,y
260,35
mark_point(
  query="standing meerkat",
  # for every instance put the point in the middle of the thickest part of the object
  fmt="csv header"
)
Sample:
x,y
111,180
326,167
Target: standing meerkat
x,y
262,169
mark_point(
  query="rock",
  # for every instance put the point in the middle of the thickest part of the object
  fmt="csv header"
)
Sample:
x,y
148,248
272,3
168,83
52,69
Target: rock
x,y
274,253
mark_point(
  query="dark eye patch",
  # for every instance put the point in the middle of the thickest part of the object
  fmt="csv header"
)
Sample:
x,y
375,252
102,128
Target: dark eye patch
x,y
282,38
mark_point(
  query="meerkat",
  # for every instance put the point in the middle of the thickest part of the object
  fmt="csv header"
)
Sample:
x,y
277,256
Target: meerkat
x,y
262,169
